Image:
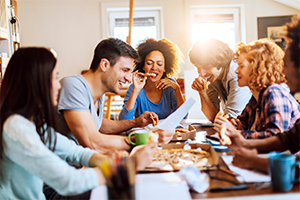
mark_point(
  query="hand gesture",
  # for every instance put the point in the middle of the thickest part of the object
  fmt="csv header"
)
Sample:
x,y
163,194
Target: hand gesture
x,y
144,155
219,121
237,123
138,80
199,84
236,137
144,119
244,158
164,83
164,136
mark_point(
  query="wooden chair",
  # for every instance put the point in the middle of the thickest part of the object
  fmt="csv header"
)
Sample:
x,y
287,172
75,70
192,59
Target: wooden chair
x,y
114,103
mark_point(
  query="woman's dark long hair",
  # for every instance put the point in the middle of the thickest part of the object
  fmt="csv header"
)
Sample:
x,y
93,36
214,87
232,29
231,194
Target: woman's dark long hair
x,y
26,90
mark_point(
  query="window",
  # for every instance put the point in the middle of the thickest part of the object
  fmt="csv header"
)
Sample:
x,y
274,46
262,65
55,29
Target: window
x,y
219,23
146,24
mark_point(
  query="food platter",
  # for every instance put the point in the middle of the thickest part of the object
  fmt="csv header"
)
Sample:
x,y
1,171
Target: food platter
x,y
173,157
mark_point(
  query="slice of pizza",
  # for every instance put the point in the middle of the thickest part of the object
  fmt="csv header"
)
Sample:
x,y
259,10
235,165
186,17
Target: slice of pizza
x,y
224,139
150,74
154,120
205,84
181,130
220,113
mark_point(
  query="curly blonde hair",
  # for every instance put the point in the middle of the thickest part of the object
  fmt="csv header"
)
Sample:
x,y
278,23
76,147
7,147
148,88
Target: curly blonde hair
x,y
211,53
266,58
171,52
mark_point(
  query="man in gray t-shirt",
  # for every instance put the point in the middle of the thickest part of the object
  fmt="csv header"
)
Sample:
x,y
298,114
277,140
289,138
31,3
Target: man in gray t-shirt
x,y
82,98
76,95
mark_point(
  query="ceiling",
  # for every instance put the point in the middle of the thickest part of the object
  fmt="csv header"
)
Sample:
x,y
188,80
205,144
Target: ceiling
x,y
291,3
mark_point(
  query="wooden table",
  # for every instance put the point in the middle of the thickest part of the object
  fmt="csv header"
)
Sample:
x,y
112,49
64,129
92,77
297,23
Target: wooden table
x,y
244,193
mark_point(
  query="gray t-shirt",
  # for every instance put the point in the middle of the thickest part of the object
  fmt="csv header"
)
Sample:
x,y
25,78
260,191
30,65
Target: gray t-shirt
x,y
76,95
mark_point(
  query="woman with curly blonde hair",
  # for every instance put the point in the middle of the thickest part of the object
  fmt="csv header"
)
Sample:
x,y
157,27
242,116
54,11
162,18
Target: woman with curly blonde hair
x,y
272,109
154,88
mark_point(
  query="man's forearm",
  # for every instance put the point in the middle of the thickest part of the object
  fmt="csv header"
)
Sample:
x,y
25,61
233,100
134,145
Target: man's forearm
x,y
116,127
261,164
179,97
106,143
273,143
207,107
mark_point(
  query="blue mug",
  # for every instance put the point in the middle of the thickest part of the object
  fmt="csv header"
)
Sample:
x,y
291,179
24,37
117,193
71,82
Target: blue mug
x,y
282,171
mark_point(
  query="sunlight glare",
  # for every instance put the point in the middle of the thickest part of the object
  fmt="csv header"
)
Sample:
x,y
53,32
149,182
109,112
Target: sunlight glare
x,y
224,32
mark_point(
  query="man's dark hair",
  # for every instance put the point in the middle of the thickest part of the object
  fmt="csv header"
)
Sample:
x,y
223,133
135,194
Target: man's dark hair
x,y
292,36
112,49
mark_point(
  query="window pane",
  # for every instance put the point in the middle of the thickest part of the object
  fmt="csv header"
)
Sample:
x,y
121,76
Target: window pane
x,y
204,31
146,24
141,21
138,33
218,26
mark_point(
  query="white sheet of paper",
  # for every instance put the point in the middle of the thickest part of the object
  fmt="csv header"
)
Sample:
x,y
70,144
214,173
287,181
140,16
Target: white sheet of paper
x,y
200,122
158,186
175,118
248,176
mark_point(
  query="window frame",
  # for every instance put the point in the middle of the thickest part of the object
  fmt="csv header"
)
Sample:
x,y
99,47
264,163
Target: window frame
x,y
107,7
113,14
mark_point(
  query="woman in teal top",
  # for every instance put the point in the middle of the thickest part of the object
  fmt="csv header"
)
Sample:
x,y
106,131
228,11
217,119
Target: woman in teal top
x,y
153,89
31,152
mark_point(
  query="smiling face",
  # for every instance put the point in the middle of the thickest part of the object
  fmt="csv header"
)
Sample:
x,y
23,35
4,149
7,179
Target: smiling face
x,y
118,74
55,85
155,63
243,71
210,74
291,72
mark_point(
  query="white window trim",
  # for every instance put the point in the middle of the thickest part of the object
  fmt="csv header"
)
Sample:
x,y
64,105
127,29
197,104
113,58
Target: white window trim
x,y
124,6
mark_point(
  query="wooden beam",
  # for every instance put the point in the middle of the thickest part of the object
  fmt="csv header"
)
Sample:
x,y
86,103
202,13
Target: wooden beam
x,y
130,21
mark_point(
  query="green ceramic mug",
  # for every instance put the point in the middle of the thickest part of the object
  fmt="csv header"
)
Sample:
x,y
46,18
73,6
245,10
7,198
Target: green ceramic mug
x,y
141,137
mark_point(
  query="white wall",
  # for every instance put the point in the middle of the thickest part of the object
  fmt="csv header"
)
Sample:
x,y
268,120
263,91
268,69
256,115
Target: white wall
x,y
73,27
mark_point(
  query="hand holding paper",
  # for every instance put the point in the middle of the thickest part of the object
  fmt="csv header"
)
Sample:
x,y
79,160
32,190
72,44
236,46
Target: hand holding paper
x,y
175,118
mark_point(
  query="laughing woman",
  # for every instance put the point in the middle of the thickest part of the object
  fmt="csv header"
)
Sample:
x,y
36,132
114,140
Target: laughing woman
x,y
272,109
153,87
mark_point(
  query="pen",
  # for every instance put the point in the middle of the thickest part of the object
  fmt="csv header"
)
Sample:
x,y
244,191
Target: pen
x,y
227,171
235,187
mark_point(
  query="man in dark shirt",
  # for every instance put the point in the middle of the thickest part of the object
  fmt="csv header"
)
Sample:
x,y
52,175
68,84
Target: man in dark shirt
x,y
246,150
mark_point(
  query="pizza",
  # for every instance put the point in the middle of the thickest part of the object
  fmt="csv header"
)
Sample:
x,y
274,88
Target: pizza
x,y
150,74
224,139
205,84
220,113
154,120
178,158
181,130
